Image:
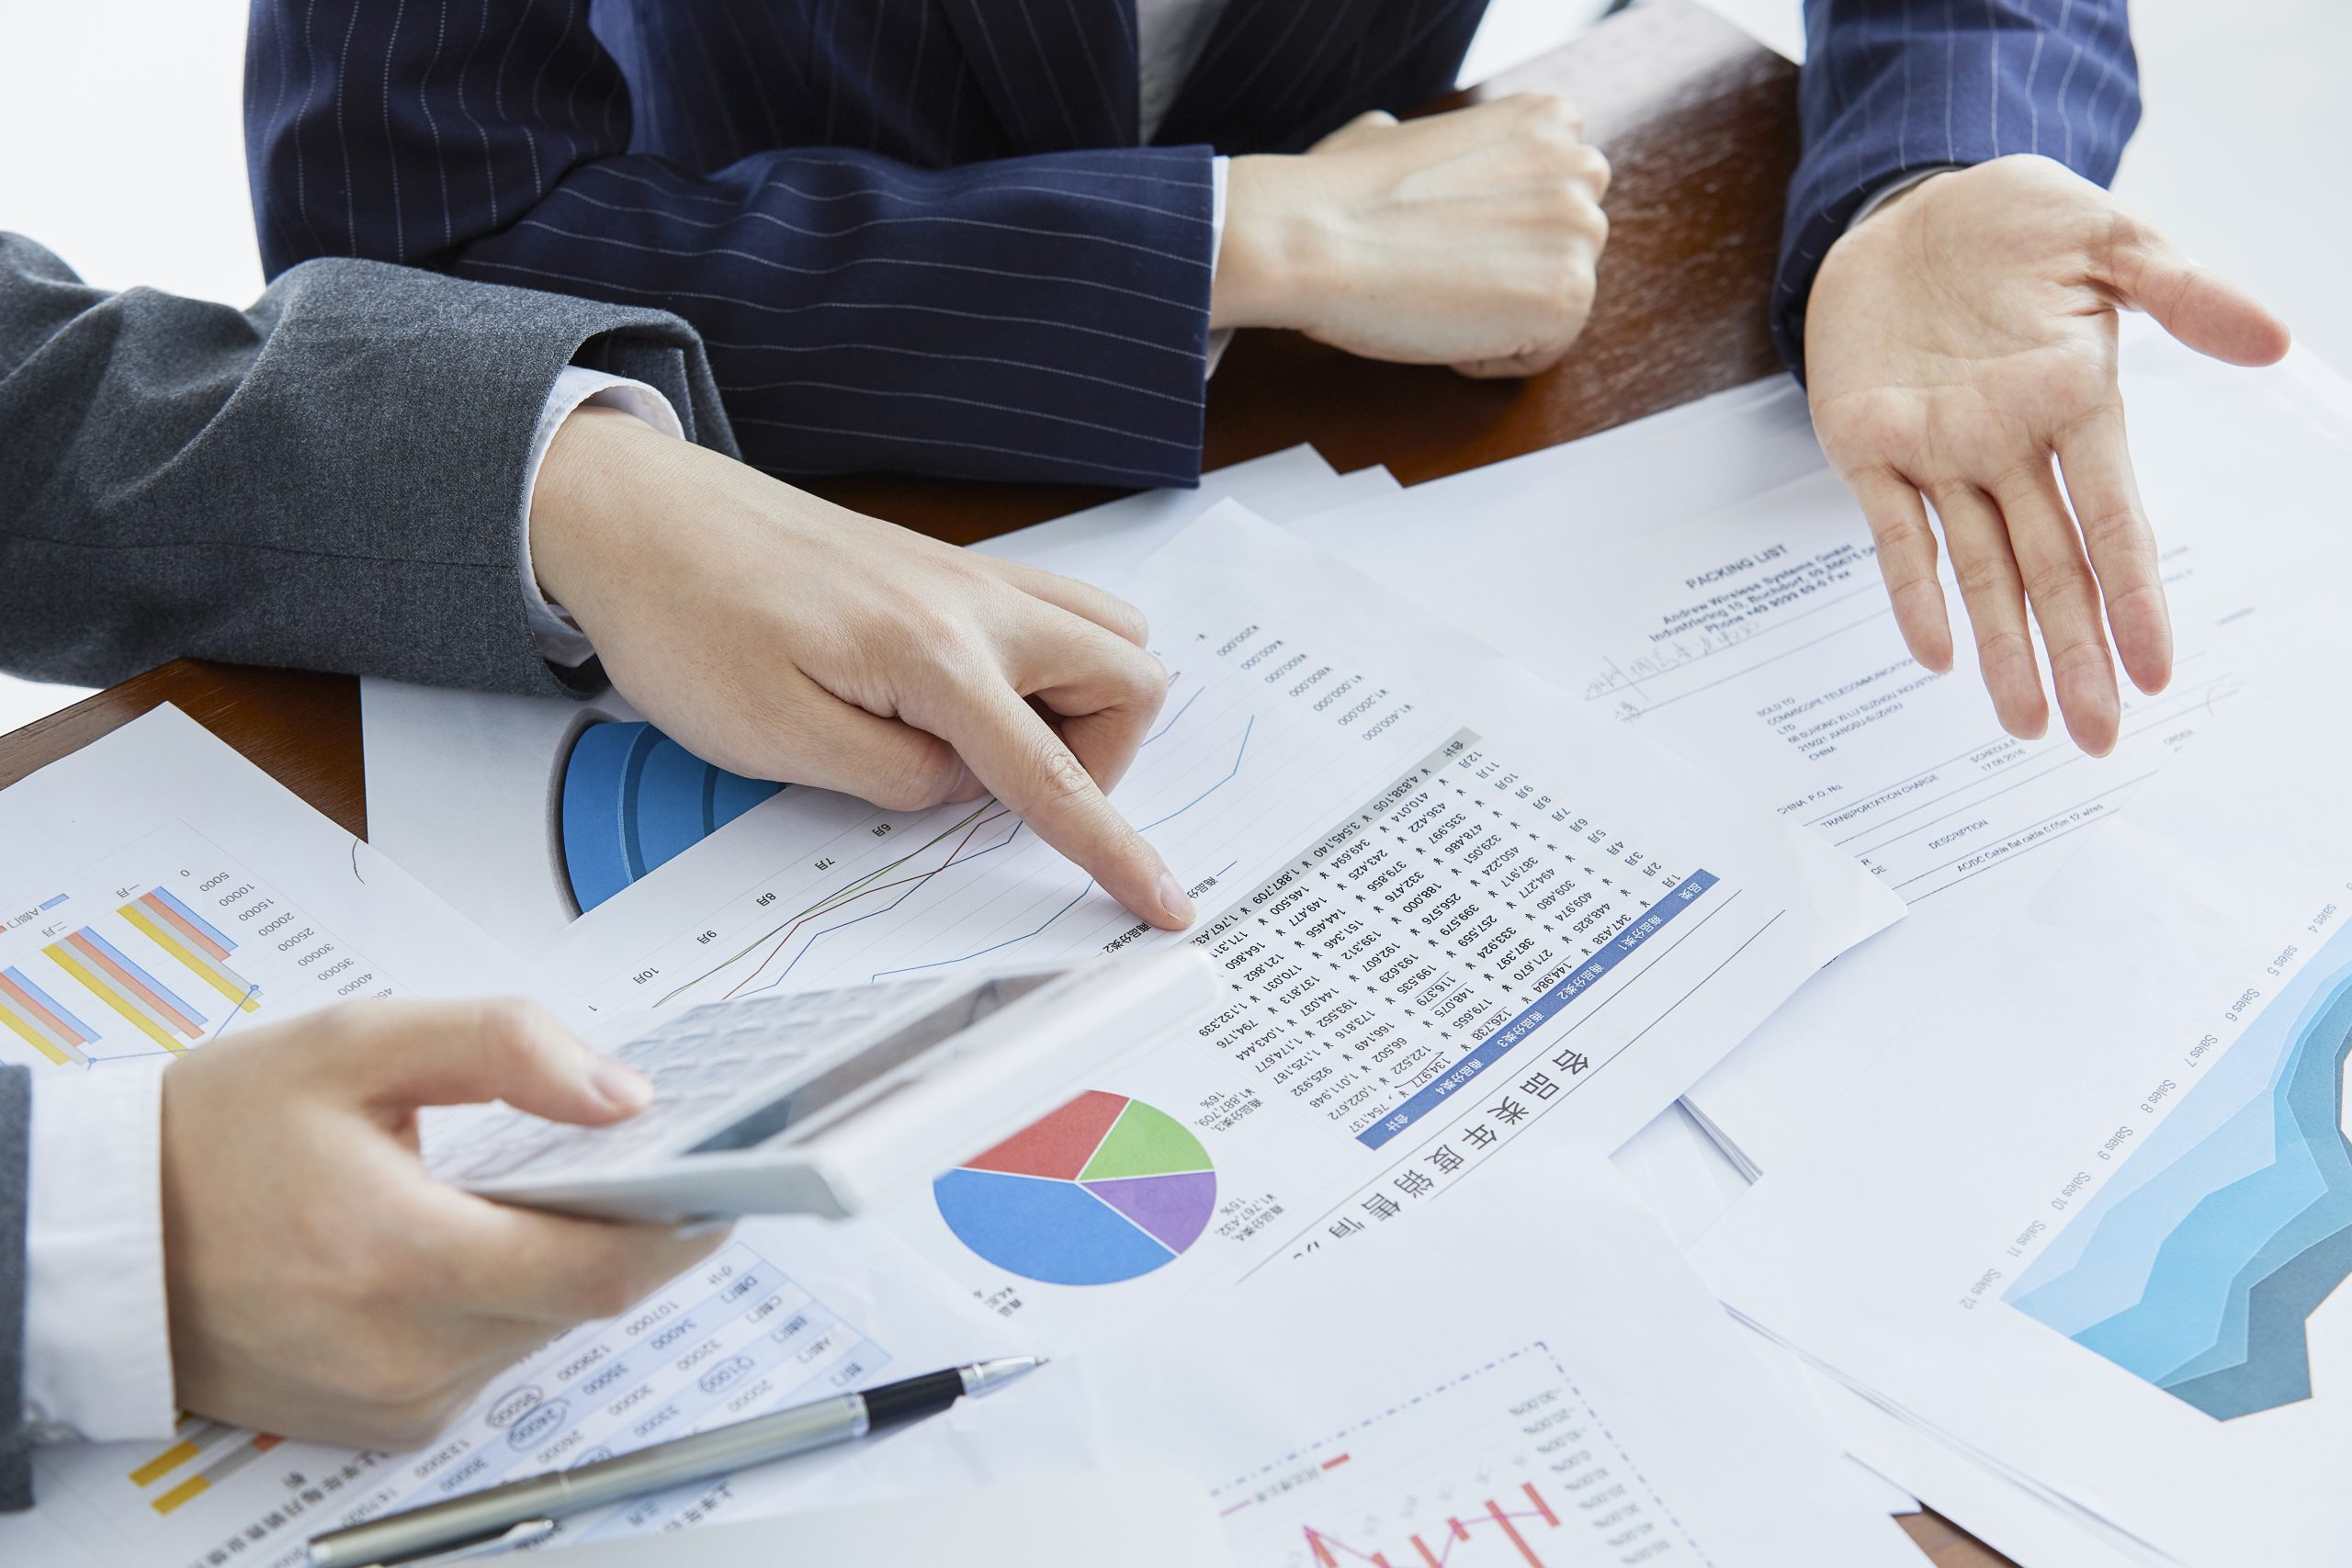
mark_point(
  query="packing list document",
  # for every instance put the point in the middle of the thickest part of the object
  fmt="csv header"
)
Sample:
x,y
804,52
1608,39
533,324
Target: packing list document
x,y
163,893
1756,642
2091,1215
1597,1407
1449,913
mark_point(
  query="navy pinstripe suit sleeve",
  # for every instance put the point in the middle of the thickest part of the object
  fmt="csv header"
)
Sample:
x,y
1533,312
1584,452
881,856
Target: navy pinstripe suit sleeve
x,y
1028,318
1893,85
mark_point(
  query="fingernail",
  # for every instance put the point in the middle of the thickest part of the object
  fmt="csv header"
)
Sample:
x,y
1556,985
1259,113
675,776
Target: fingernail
x,y
1175,901
711,1224
622,1087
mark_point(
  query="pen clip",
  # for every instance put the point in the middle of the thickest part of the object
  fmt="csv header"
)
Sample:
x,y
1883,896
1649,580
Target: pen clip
x,y
530,1532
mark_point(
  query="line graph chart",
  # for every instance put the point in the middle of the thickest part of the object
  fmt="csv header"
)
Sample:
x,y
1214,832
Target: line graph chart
x,y
775,954
1507,1464
1514,1526
1403,912
895,894
1240,753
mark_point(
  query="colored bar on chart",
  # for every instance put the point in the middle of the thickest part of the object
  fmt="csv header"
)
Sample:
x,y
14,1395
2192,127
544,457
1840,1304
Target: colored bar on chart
x,y
211,937
31,1013
1503,1521
192,1433
54,903
235,1460
154,920
108,978
98,950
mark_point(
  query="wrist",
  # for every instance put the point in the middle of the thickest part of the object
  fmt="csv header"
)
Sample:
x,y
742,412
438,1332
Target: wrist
x,y
1887,199
1273,248
601,466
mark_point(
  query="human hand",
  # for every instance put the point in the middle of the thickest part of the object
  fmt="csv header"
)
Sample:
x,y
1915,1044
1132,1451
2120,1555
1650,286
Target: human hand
x,y
786,637
1957,342
321,1284
1467,238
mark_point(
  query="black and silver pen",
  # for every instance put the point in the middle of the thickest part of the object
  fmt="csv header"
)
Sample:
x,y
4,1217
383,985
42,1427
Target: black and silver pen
x,y
518,1513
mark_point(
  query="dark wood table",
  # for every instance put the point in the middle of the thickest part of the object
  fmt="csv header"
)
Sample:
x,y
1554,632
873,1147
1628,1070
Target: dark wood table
x,y
1700,124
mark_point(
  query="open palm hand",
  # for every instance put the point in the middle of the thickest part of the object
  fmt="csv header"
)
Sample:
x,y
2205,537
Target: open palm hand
x,y
1961,351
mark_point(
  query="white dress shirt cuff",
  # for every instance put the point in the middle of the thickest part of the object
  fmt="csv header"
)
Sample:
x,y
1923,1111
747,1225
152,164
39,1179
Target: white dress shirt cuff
x,y
1895,187
97,1337
559,638
1218,341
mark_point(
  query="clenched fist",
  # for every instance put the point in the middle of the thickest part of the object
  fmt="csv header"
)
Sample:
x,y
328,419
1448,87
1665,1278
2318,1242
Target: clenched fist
x,y
1467,238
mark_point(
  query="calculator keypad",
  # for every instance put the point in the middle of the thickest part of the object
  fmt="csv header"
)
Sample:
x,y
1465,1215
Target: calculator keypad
x,y
700,1063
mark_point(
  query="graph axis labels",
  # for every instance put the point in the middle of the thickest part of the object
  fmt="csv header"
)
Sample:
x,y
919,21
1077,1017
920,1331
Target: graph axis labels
x,y
1101,1190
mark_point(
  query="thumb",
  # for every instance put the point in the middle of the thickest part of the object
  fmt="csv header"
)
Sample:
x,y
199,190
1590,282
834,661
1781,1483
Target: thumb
x,y
417,1054
2203,309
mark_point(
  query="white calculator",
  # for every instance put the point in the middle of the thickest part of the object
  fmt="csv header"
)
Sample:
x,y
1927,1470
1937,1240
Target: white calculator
x,y
825,1102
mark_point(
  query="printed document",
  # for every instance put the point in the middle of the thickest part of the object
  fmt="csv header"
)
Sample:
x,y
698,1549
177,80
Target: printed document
x,y
1754,640
1451,912
2090,1217
165,892
162,891
1596,1407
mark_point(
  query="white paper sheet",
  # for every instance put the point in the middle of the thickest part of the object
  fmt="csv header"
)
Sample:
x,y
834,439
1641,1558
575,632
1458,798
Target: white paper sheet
x,y
789,1311
1681,1173
464,789
1754,640
163,891
2015,1521
2090,1217
1402,845
1136,1518
1503,1384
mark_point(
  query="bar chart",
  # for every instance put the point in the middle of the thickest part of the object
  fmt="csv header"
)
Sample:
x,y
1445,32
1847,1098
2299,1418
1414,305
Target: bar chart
x,y
159,949
1506,1464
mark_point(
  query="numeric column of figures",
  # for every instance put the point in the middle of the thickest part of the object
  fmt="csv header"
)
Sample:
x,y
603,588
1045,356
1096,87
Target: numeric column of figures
x,y
735,1339
1420,926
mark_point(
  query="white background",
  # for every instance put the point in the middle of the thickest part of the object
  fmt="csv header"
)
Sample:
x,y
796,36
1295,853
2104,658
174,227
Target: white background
x,y
121,146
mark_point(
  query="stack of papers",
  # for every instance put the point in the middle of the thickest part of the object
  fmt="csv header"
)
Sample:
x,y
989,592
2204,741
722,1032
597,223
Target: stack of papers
x,y
1546,1382
1460,923
2104,1177
1585,804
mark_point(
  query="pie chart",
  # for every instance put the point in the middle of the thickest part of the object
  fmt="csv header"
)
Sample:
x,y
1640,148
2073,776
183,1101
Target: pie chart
x,y
1103,1190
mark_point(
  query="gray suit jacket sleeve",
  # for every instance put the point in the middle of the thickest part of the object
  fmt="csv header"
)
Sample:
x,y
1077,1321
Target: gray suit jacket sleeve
x,y
16,1139
332,480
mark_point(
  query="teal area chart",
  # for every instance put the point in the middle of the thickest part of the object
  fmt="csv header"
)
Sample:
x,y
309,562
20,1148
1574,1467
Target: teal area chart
x,y
2198,1267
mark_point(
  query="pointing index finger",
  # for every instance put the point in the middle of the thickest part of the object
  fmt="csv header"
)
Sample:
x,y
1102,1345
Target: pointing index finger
x,y
1025,764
